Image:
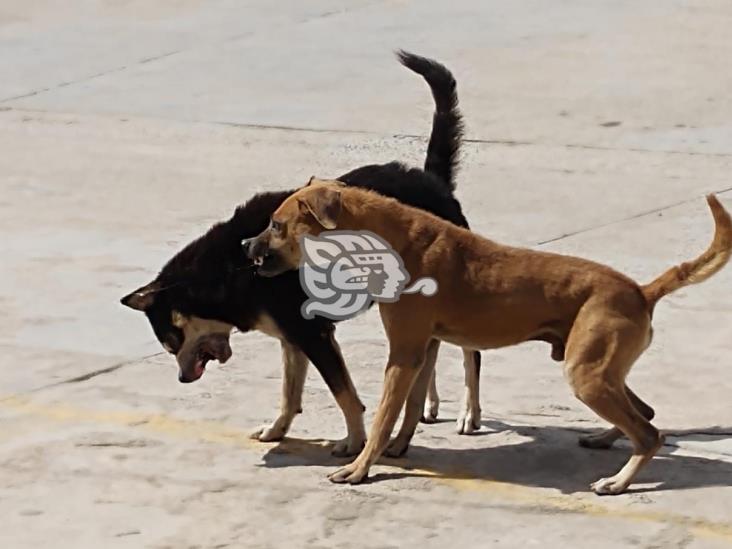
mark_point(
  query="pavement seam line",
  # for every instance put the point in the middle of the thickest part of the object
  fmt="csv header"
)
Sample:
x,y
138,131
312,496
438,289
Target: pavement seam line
x,y
82,377
629,218
94,373
346,131
90,77
157,57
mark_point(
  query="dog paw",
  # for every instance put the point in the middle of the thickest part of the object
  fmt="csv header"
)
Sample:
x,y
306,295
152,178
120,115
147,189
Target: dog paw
x,y
609,486
269,433
350,474
397,447
430,412
349,446
596,441
468,422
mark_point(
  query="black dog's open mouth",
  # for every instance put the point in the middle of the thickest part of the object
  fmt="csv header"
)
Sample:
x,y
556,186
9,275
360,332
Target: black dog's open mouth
x,y
202,359
269,265
213,347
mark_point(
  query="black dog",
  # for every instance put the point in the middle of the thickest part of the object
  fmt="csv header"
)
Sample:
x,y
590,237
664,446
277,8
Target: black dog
x,y
210,286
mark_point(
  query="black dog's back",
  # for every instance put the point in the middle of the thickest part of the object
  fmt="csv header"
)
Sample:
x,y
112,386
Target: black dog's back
x,y
215,260
409,185
430,189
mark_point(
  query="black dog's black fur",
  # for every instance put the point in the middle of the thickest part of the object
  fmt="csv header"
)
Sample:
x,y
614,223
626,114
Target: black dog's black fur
x,y
212,277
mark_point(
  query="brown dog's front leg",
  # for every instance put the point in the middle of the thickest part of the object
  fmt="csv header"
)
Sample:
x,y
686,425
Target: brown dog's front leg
x,y
400,444
400,375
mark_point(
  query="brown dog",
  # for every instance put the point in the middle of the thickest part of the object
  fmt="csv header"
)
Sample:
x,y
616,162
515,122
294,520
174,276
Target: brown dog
x,y
490,296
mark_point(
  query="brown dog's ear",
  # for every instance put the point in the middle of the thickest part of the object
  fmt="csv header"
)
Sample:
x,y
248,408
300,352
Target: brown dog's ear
x,y
315,180
325,206
142,298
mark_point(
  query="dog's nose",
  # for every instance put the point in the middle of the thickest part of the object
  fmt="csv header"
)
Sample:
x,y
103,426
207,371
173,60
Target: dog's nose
x,y
182,377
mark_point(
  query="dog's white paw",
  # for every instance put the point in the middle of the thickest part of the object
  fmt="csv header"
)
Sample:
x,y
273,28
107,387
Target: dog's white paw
x,y
430,411
352,473
609,486
270,433
468,422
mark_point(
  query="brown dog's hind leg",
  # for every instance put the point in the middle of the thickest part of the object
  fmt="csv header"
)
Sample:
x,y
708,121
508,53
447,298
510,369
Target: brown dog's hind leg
x,y
604,440
400,444
599,356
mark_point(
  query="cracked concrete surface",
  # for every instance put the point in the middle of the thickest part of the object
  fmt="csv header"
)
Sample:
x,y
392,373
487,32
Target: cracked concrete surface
x,y
128,127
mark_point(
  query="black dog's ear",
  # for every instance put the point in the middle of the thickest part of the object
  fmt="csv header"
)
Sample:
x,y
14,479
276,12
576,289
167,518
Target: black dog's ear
x,y
325,206
142,298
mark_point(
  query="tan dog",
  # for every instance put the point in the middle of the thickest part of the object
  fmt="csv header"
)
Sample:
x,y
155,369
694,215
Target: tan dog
x,y
491,296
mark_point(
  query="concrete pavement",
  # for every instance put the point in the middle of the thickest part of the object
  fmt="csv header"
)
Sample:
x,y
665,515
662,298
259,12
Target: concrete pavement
x,y
127,128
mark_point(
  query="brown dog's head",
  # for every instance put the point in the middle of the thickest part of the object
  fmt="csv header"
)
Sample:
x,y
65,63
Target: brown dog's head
x,y
311,210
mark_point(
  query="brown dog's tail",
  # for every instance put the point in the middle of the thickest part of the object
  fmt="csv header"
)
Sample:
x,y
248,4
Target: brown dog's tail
x,y
697,270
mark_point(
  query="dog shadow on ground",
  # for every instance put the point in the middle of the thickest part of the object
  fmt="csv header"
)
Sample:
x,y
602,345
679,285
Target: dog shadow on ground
x,y
547,457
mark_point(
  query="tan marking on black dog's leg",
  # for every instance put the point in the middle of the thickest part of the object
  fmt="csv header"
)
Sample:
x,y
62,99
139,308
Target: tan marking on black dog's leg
x,y
400,444
605,439
432,402
353,410
401,373
293,382
469,419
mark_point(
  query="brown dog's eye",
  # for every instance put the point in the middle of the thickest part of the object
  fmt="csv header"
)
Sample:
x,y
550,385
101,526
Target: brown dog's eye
x,y
278,228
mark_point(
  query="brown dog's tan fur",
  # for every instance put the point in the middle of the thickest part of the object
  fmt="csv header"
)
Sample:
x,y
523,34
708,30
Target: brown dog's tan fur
x,y
489,296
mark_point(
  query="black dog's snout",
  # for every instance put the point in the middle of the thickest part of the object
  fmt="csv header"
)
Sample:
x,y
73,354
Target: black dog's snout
x,y
253,248
256,249
183,378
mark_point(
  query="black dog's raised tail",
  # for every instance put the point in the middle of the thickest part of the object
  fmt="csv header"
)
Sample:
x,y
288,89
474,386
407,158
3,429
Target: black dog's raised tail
x,y
447,122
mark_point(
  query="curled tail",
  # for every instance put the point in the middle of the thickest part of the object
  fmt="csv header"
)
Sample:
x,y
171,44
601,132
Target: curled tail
x,y
697,270
447,122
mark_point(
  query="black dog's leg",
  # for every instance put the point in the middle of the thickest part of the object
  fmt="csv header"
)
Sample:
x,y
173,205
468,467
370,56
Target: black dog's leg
x,y
293,381
316,339
469,419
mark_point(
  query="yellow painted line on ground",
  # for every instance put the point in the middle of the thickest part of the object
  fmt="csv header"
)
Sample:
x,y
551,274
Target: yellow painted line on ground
x,y
574,504
158,423
213,432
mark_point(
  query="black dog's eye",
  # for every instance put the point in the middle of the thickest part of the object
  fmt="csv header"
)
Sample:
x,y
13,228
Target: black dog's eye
x,y
172,343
